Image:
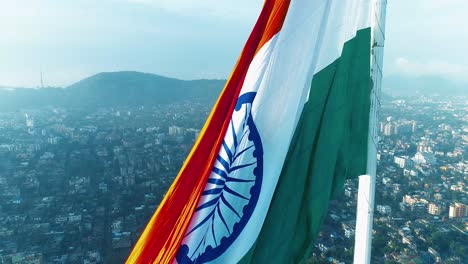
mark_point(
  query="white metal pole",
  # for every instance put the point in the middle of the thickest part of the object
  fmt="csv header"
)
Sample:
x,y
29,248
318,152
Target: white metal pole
x,y
365,206
365,213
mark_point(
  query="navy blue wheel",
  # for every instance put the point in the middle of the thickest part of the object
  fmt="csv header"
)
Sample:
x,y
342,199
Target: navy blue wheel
x,y
232,192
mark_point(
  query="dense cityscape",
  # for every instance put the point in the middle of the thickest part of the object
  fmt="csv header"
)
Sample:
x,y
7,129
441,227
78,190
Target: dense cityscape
x,y
421,188
79,185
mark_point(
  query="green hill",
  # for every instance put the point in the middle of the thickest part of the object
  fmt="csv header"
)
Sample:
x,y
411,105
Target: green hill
x,y
114,89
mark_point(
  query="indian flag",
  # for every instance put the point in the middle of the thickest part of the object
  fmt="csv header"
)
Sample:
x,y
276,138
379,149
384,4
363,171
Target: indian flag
x,y
291,124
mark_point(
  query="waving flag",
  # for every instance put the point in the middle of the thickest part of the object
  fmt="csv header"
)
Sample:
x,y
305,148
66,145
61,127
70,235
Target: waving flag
x,y
289,127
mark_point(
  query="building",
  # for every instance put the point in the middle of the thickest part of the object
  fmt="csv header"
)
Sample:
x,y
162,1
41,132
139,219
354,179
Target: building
x,y
457,210
388,130
24,258
404,207
349,232
386,180
425,148
404,128
382,127
410,199
52,140
418,208
384,209
435,209
402,161
415,203
74,217
413,173
103,187
434,254
424,158
121,240
176,131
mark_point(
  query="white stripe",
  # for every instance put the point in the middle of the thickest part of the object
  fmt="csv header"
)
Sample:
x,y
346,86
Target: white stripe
x,y
312,37
285,85
252,81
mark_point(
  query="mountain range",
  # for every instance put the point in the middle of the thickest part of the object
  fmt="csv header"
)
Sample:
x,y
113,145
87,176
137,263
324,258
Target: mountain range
x,y
114,89
136,88
430,85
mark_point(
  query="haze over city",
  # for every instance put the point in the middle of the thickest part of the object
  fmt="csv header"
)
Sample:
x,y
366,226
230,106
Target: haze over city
x,y
71,40
102,103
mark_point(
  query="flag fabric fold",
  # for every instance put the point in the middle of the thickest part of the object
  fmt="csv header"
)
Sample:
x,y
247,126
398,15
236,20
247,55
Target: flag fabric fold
x,y
289,127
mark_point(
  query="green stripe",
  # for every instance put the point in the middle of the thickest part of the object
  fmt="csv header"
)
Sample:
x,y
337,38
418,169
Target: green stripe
x,y
329,146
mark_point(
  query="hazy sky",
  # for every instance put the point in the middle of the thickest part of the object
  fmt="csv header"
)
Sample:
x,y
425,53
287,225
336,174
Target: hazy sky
x,y
72,39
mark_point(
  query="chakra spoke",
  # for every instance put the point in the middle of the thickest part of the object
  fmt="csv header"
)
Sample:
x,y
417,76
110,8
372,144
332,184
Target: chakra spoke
x,y
229,190
223,162
199,244
212,229
222,218
243,135
220,173
217,181
213,191
207,204
230,179
201,223
241,166
228,151
246,115
232,188
240,153
234,136
229,205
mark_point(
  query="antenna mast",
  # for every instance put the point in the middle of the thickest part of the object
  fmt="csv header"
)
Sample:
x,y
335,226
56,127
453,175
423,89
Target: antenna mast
x,y
42,81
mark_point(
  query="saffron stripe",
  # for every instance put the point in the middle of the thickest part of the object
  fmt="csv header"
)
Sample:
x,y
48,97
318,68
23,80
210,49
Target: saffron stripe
x,y
162,236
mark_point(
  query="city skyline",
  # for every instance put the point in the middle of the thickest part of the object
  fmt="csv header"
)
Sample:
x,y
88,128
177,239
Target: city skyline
x,y
79,184
310,154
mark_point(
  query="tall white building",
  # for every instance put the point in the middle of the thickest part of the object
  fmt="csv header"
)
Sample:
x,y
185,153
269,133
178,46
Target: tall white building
x,y
434,209
457,210
402,161
424,158
176,131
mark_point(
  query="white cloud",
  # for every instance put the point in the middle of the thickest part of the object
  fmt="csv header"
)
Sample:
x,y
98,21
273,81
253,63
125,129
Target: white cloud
x,y
432,67
427,37
444,3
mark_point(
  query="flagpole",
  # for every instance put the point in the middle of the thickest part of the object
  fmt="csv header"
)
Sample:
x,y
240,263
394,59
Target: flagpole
x,y
366,192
